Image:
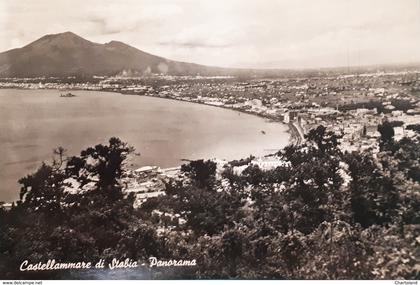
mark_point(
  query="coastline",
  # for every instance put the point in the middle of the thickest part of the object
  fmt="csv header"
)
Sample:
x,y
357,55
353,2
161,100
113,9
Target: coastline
x,y
282,133
295,135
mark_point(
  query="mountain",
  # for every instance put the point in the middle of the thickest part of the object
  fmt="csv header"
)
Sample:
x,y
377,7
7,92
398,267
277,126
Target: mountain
x,y
67,54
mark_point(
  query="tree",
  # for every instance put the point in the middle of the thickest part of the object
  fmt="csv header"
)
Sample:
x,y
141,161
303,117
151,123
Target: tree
x,y
101,165
298,220
253,175
325,141
232,249
207,212
50,222
43,190
414,127
340,254
386,130
374,198
201,172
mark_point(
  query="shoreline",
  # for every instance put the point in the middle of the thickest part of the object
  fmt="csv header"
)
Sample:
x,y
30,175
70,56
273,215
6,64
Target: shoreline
x,y
295,136
289,130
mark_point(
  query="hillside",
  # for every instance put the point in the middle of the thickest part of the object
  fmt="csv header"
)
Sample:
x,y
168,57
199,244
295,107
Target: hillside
x,y
68,54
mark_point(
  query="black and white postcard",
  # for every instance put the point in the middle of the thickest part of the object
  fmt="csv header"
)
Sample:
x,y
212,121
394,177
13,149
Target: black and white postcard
x,y
210,139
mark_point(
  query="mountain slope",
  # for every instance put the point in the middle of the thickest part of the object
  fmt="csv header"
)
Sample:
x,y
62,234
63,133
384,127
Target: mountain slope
x,y
67,54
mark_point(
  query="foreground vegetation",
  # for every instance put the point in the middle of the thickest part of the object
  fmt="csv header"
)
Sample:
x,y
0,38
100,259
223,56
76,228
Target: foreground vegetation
x,y
324,214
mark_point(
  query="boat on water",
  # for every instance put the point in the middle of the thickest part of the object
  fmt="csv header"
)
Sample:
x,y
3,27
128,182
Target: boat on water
x,y
67,95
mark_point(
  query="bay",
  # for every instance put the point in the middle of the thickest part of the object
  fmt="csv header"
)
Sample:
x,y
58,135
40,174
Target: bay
x,y
34,122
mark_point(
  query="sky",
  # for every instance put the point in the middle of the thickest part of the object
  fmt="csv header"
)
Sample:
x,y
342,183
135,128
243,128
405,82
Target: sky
x,y
231,33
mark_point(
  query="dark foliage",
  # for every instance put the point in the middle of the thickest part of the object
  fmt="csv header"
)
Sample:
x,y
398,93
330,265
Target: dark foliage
x,y
414,127
201,172
322,214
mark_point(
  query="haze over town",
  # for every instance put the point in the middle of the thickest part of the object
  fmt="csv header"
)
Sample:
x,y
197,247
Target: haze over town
x,y
278,34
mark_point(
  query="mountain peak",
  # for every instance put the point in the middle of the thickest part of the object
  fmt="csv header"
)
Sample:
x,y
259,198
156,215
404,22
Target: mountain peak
x,y
61,39
117,44
67,34
67,54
